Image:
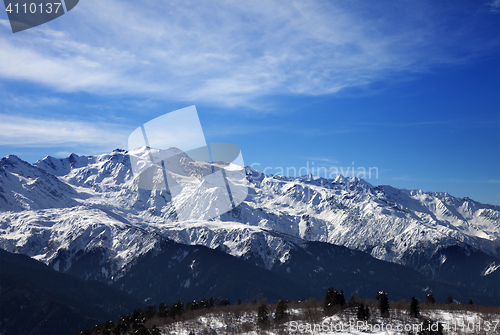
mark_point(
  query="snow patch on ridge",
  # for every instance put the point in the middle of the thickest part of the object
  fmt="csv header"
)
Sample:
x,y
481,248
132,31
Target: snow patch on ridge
x,y
490,269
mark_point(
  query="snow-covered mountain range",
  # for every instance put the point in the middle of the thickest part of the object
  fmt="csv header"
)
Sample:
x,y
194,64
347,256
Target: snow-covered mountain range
x,y
60,211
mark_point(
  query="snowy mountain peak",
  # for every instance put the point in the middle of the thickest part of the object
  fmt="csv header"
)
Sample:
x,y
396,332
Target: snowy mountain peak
x,y
140,151
12,160
27,187
340,179
96,202
11,157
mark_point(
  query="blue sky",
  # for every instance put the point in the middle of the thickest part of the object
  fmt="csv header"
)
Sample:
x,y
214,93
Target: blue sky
x,y
409,87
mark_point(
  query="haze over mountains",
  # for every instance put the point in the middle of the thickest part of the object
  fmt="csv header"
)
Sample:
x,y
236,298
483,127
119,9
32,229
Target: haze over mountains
x,y
291,237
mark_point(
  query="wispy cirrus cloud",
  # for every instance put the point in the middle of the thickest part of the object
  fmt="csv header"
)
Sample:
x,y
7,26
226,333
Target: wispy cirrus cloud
x,y
446,180
323,160
233,53
29,101
452,122
495,6
21,131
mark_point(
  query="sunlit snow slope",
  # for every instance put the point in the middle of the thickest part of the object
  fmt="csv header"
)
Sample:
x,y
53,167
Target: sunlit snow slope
x,y
60,210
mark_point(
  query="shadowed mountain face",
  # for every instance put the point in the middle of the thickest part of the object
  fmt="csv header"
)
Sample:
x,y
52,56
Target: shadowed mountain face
x,y
35,299
102,226
174,271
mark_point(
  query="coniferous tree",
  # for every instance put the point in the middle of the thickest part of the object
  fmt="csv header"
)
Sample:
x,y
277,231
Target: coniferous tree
x,y
262,314
224,302
333,298
361,314
342,299
329,296
280,313
383,303
429,299
176,309
163,310
150,311
449,300
470,302
414,308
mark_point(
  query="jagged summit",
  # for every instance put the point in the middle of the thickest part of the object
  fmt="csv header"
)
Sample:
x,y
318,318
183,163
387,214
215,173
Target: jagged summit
x,y
27,187
11,157
340,179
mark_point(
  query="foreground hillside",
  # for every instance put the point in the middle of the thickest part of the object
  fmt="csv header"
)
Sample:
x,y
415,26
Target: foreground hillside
x,y
453,322
308,317
35,299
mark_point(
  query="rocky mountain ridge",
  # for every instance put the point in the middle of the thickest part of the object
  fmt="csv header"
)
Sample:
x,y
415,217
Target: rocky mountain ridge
x,y
62,211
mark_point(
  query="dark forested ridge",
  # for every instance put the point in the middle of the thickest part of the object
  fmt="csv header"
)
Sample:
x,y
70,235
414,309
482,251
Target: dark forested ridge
x,y
35,299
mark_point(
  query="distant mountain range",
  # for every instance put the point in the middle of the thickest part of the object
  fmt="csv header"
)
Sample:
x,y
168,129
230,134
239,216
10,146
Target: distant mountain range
x,y
291,238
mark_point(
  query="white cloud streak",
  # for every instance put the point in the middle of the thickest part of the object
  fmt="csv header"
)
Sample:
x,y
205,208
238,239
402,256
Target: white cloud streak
x,y
495,6
323,160
20,131
230,52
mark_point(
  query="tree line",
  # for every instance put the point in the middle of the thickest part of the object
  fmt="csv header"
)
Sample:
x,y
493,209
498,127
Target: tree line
x,y
136,322
141,321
